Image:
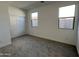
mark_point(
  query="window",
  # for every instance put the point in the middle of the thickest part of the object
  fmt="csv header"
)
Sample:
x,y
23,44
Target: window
x,y
34,19
66,16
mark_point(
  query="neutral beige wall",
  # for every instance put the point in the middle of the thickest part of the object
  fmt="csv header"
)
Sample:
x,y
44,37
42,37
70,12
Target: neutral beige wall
x,y
17,26
26,20
5,37
48,24
77,43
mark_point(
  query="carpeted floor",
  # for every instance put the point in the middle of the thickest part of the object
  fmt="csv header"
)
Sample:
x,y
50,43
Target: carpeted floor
x,y
29,46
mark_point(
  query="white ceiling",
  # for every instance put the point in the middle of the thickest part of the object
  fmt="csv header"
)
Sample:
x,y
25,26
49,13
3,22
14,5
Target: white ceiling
x,y
22,4
25,4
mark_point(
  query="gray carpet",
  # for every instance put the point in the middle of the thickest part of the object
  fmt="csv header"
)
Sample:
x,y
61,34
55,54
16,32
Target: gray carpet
x,y
29,46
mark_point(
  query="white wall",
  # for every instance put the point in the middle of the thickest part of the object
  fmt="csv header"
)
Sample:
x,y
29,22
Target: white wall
x,y
48,24
77,43
5,37
17,23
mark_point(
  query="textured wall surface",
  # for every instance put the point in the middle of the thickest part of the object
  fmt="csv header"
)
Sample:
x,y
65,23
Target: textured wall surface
x,y
5,37
48,24
17,21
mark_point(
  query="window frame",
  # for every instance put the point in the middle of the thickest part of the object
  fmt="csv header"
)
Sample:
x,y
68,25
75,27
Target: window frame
x,y
65,19
33,19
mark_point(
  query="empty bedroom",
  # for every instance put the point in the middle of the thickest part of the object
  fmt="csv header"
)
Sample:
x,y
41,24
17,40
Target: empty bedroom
x,y
39,29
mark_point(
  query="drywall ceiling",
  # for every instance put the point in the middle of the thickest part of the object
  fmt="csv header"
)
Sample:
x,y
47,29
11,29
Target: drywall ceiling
x,y
25,4
22,4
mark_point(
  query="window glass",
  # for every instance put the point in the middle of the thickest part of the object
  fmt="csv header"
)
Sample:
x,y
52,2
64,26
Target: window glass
x,y
67,11
34,19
